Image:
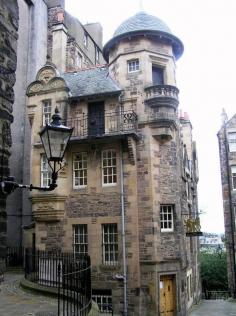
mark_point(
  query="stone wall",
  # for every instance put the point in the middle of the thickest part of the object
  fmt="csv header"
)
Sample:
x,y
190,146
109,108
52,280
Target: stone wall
x,y
229,200
31,55
8,58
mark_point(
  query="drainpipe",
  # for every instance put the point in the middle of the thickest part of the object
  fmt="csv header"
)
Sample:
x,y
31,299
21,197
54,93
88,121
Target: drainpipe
x,y
231,208
123,230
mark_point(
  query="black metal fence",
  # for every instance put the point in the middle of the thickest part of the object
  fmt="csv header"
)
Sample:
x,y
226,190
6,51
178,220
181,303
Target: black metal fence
x,y
15,257
72,278
74,294
215,295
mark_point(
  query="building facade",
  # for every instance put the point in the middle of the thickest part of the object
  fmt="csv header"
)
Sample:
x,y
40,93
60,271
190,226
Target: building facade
x,y
8,58
130,180
227,151
42,23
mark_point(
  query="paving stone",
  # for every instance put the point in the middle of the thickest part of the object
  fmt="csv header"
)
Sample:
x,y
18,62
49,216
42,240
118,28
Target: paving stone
x,y
214,308
14,301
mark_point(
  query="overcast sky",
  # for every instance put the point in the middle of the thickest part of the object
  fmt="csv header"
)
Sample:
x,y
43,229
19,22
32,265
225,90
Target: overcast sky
x,y
205,73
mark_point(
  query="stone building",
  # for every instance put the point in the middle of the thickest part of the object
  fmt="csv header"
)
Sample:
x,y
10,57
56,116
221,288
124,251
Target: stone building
x,y
41,23
130,180
8,45
227,150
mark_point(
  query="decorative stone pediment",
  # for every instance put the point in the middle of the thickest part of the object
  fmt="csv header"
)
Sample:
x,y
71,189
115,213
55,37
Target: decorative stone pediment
x,y
46,73
47,79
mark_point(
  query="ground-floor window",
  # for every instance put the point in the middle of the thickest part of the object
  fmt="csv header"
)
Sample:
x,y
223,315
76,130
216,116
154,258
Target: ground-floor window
x,y
109,244
104,300
80,240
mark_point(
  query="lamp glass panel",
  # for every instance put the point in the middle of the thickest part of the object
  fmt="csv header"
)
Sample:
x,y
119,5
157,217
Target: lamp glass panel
x,y
44,138
58,143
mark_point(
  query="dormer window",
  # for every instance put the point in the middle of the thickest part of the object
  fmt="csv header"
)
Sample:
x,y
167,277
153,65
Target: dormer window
x,y
96,55
85,39
133,65
78,61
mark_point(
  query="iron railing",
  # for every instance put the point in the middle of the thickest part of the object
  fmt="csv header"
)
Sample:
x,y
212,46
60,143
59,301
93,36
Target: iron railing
x,y
102,124
215,295
14,257
74,291
71,276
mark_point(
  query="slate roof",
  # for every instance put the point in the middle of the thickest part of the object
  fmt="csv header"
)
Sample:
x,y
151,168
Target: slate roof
x,y
88,82
144,24
142,21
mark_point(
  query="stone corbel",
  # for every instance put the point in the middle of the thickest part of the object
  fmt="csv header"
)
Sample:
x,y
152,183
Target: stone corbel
x,y
31,113
132,150
48,208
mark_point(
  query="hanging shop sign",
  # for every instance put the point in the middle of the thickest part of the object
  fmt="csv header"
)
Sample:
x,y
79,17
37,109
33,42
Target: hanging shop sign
x,y
193,227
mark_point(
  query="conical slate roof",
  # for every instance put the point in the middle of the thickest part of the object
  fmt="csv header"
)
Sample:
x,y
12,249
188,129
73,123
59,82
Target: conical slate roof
x,y
144,24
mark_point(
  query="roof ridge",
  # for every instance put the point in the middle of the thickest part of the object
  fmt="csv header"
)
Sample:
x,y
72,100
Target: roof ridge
x,y
87,68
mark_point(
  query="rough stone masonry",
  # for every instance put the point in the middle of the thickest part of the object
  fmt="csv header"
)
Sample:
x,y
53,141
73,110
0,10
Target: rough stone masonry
x,y
8,47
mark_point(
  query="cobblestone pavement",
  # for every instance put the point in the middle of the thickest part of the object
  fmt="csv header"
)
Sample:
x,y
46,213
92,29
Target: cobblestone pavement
x,y
14,301
214,308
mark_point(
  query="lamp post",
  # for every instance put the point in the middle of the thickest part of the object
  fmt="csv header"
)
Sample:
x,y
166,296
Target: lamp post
x,y
55,138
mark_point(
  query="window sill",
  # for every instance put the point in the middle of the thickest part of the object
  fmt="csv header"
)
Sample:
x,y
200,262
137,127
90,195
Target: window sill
x,y
109,267
109,185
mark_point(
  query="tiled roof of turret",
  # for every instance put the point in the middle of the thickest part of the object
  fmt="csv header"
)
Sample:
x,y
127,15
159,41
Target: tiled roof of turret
x,y
142,21
93,81
143,24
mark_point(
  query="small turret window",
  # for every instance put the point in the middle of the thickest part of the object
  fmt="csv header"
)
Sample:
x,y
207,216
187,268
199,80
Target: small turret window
x,y
133,65
157,75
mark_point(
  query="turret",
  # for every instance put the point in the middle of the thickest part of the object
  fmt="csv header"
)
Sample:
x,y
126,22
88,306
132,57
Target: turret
x,y
141,56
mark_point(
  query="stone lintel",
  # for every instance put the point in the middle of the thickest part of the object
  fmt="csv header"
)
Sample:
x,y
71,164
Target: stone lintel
x,y
59,27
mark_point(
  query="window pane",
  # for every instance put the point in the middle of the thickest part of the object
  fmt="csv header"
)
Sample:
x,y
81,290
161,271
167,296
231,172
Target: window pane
x,y
80,169
109,167
110,243
80,238
166,217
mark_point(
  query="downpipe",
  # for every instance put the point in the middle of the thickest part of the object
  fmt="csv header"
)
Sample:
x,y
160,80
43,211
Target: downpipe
x,y
123,231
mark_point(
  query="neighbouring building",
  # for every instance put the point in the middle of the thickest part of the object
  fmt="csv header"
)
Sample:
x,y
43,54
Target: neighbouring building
x,y
8,58
130,180
42,23
227,150
211,241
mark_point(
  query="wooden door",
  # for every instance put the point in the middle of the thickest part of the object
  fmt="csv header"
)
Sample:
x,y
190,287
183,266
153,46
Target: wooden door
x,y
167,295
96,123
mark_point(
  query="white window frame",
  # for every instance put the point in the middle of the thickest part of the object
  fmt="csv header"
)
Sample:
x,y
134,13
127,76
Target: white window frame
x,y
80,166
79,60
109,168
45,171
103,300
133,65
167,217
80,239
47,111
109,244
232,141
233,176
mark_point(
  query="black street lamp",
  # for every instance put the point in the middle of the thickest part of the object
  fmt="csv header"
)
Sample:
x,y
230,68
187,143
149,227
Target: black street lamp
x,y
55,138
